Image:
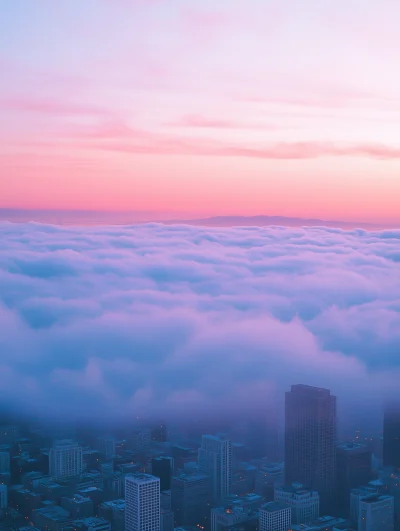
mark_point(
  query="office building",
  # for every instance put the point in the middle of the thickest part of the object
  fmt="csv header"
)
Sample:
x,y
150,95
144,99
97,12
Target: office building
x,y
65,459
114,512
167,520
275,516
190,498
106,446
353,469
303,502
159,433
376,513
78,506
391,437
310,440
215,460
141,440
51,518
356,495
92,524
268,478
3,496
162,467
142,503
4,462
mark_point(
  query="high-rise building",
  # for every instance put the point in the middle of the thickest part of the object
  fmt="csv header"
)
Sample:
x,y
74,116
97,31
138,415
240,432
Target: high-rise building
x,y
106,445
215,460
310,440
159,433
376,513
3,496
142,503
303,502
167,520
190,498
275,516
353,469
162,467
391,437
141,440
4,462
65,459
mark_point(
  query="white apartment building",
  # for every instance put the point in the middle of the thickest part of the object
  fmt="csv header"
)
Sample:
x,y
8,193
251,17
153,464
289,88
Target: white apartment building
x,y
142,503
275,516
65,459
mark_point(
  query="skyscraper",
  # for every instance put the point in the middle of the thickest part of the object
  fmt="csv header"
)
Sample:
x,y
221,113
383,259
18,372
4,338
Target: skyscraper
x,y
310,439
353,469
142,503
391,437
215,460
65,459
162,467
190,497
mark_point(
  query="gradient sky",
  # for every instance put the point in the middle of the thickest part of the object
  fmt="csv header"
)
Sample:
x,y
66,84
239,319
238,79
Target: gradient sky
x,y
202,107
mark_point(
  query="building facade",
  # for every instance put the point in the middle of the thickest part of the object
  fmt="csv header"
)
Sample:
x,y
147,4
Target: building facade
x,y
353,469
303,502
391,437
142,503
275,516
215,460
376,513
310,440
65,459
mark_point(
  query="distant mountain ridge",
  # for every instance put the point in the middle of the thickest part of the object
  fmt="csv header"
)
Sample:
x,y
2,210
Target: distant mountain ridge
x,y
87,217
262,221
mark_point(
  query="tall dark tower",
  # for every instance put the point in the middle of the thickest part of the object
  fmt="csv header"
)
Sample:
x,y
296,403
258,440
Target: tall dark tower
x,y
353,469
391,437
310,440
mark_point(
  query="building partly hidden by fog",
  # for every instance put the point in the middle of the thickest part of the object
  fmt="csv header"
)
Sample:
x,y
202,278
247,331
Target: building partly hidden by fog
x,y
215,460
65,459
303,502
310,441
391,437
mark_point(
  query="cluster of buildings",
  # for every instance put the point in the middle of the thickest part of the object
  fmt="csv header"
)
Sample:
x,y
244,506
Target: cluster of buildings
x,y
148,482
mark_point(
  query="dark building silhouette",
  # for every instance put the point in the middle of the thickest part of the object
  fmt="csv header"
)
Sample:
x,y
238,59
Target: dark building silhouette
x,y
162,467
353,469
159,433
310,441
391,437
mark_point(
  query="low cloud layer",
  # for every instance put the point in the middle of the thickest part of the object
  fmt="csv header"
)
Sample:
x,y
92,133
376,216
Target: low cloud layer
x,y
118,322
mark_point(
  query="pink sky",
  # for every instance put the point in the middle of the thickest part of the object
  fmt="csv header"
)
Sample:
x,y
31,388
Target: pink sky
x,y
202,108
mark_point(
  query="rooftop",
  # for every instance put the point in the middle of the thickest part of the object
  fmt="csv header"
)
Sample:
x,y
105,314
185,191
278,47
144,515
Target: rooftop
x,y
271,507
142,478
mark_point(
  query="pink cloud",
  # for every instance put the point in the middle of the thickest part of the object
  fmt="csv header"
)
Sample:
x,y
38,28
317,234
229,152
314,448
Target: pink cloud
x,y
198,121
49,107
